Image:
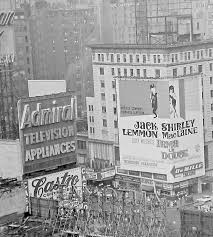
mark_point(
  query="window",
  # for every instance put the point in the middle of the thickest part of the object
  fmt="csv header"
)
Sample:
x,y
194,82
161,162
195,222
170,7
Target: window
x,y
191,69
210,80
173,58
26,39
124,58
211,93
90,107
102,96
176,57
155,58
201,53
212,107
103,109
114,97
131,72
92,130
102,84
200,68
113,84
130,58
28,60
138,73
189,55
144,73
99,57
113,71
212,134
210,52
118,58
115,124
181,56
158,58
157,73
125,72
198,54
119,72
212,120
144,58
185,56
81,144
184,71
102,57
198,26
210,66
115,110
104,123
137,58
91,119
112,58
101,71
174,72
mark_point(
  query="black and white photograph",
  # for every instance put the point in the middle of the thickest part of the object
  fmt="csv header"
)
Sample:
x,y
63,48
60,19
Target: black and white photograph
x,y
106,118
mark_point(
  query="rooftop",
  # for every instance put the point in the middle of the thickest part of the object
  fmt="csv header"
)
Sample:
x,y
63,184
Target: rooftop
x,y
150,46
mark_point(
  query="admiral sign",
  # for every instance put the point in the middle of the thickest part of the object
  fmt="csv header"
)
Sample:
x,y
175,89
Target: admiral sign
x,y
47,131
49,186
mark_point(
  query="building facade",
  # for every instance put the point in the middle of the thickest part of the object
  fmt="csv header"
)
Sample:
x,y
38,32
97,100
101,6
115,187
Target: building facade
x,y
59,37
146,61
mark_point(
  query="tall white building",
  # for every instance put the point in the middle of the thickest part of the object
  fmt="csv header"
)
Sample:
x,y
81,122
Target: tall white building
x,y
144,61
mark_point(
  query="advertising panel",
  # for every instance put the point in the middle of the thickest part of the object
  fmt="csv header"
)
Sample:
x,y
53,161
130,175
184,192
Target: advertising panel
x,y
47,131
7,41
161,127
50,186
45,87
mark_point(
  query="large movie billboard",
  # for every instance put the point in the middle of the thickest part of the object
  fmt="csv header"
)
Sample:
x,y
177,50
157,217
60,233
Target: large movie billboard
x,y
47,131
161,127
54,186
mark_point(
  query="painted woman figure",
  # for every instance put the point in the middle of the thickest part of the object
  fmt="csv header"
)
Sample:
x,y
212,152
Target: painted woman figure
x,y
173,102
153,99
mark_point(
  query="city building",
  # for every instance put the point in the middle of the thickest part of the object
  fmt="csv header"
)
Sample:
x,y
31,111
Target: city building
x,y
59,36
160,21
144,61
22,40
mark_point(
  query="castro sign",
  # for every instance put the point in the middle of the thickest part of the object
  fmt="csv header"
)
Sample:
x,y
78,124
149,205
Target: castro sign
x,y
70,182
47,131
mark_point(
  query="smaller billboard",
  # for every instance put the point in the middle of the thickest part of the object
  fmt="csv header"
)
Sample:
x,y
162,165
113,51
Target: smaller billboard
x,y
52,186
45,87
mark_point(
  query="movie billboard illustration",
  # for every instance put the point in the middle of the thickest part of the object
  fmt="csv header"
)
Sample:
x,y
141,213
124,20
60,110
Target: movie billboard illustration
x,y
161,126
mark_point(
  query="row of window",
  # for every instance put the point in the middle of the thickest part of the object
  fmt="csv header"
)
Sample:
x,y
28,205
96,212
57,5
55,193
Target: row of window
x,y
104,110
103,96
103,84
156,58
104,124
138,73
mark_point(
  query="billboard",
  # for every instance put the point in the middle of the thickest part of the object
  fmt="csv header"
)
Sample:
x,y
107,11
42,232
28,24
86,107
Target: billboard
x,y
50,186
161,127
45,87
7,41
47,130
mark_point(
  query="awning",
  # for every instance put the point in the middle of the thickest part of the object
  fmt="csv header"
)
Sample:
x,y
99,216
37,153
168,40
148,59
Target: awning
x,y
147,188
207,179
